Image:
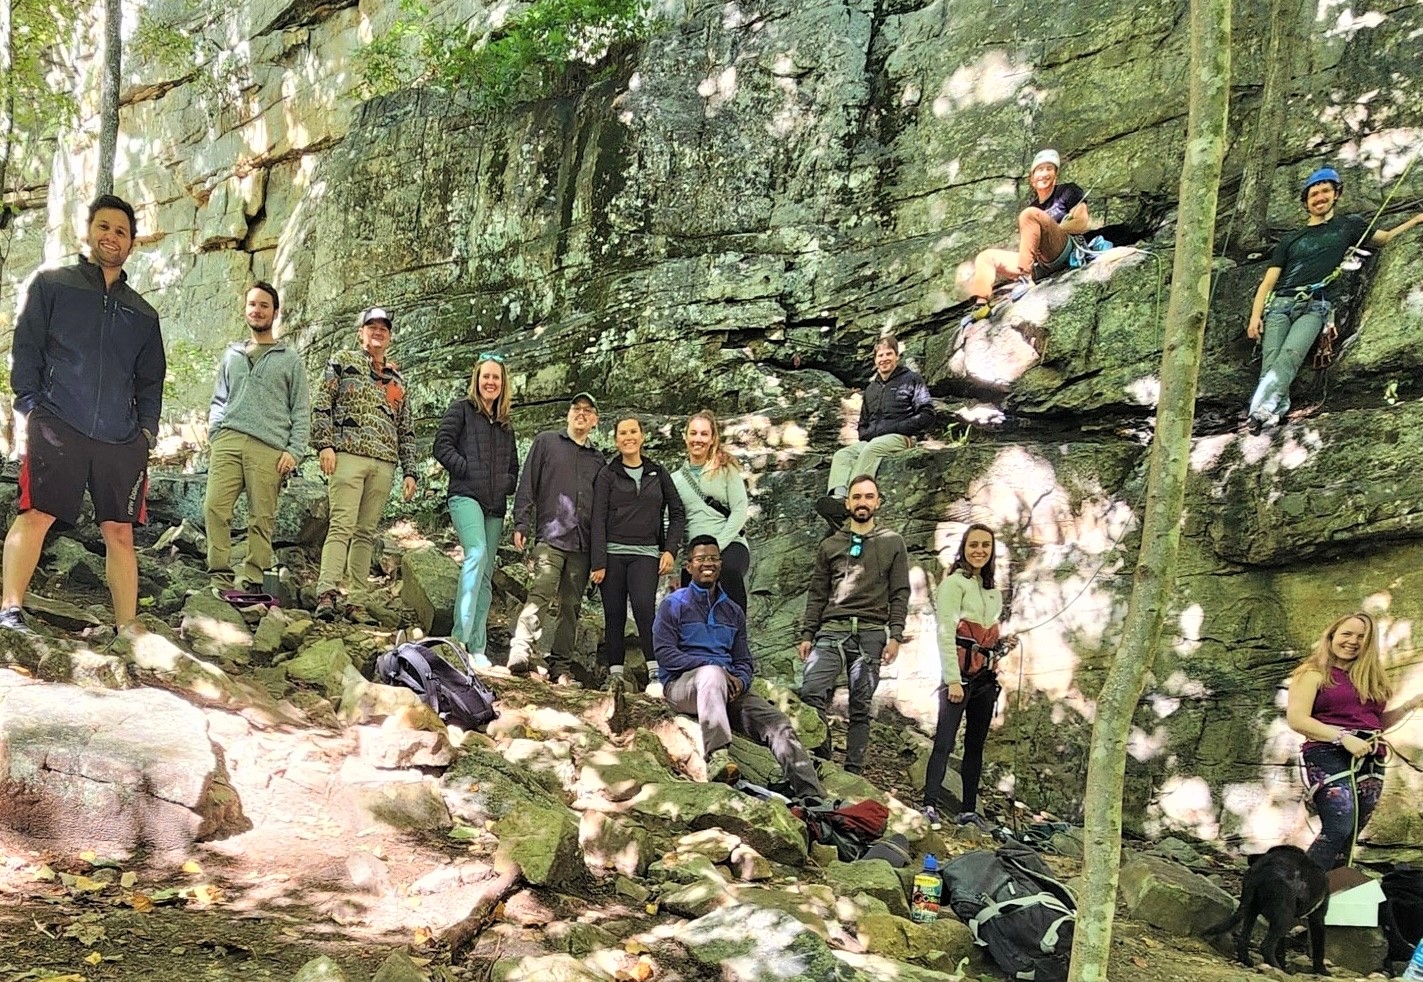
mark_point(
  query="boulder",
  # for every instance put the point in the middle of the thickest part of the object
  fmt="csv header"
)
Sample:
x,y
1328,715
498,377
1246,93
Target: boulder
x,y
364,701
874,877
267,640
684,868
321,969
696,898
413,805
128,770
429,580
749,865
747,943
214,629
547,968
611,843
1362,950
542,840
767,826
618,775
715,844
399,967
412,737
1171,897
322,665
898,937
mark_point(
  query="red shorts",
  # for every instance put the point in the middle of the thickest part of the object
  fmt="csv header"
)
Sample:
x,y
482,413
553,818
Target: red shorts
x,y
60,463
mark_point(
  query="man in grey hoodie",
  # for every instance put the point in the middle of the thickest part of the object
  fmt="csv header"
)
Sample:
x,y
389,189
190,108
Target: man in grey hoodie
x,y
258,426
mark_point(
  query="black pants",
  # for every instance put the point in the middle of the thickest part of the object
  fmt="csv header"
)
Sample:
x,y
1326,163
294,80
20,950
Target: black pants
x,y
735,564
980,695
628,578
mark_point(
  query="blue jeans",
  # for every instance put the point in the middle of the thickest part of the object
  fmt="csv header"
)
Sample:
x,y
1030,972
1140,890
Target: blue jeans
x,y
1290,329
479,536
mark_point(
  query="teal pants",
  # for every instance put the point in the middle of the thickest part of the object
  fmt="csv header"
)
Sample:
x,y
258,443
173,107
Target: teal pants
x,y
1291,326
479,536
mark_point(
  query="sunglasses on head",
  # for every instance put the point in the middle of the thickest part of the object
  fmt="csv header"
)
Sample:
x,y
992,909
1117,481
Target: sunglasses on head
x,y
857,545
493,356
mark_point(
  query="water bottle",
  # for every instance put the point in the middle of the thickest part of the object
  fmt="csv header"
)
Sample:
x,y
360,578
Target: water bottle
x,y
928,886
1415,964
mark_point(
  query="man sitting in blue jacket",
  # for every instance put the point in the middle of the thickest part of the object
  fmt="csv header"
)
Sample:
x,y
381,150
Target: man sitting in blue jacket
x,y
705,663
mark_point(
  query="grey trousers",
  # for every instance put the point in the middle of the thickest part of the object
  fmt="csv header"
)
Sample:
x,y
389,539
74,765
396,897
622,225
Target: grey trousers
x,y
1290,329
858,656
702,692
557,574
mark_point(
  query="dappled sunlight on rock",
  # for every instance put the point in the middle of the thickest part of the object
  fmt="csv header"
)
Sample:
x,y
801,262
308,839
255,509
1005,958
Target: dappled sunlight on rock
x,y
995,77
1144,391
1184,804
1143,746
1190,627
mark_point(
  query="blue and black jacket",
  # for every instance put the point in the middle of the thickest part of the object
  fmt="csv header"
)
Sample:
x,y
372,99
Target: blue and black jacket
x,y
696,627
91,355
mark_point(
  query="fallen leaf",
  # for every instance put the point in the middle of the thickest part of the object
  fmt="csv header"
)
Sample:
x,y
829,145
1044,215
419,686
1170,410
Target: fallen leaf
x,y
85,884
635,947
1138,961
498,912
192,866
45,875
128,880
463,832
206,893
651,908
93,958
420,936
88,855
141,902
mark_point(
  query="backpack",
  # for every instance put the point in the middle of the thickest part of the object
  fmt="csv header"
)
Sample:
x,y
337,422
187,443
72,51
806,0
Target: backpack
x,y
457,698
851,829
1401,913
1015,909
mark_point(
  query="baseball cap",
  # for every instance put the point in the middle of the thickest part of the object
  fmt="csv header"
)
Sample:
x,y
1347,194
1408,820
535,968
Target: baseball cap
x,y
1047,157
584,397
375,314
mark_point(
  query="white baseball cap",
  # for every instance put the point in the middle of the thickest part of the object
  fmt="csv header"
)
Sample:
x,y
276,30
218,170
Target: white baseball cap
x,y
1046,157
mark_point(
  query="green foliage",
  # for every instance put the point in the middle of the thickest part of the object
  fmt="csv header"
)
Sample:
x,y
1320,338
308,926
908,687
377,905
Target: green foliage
x,y
517,63
35,102
189,365
183,40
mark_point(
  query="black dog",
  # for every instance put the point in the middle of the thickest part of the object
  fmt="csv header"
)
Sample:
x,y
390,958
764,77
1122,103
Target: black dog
x,y
1284,884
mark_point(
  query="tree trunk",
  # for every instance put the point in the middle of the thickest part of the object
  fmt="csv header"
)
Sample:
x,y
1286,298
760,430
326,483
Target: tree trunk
x,y
1253,204
1166,486
7,107
109,109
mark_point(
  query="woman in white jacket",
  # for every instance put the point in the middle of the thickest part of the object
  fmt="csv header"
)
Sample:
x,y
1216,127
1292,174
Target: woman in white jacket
x,y
714,495
967,609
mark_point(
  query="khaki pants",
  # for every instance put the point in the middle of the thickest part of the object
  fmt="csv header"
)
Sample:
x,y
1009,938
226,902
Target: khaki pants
x,y
360,488
559,577
241,463
864,458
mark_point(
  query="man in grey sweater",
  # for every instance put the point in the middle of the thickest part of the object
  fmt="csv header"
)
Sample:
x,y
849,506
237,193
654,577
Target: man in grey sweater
x,y
854,615
258,426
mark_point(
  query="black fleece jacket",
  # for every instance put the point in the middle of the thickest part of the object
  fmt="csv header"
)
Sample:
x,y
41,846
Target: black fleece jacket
x,y
631,513
480,455
899,404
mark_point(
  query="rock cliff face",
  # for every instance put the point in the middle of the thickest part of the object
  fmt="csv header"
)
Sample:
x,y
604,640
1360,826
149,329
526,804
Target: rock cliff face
x,y
729,218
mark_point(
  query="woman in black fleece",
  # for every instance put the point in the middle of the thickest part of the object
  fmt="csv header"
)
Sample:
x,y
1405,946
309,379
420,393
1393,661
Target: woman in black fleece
x,y
638,522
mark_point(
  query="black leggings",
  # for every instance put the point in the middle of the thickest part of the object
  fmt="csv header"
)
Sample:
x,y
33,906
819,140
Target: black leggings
x,y
628,578
735,564
980,695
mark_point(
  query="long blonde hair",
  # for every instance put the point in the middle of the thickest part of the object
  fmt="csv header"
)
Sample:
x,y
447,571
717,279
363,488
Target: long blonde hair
x,y
499,412
1365,671
717,457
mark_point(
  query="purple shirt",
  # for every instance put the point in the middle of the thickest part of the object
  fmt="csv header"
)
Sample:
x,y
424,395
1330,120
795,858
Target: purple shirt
x,y
1339,704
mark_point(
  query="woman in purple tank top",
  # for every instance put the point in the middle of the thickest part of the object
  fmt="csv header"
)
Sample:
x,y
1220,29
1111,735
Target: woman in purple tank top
x,y
1338,699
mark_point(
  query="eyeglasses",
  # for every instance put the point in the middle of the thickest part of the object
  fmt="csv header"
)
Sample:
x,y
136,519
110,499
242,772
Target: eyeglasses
x,y
704,561
583,410
493,356
857,545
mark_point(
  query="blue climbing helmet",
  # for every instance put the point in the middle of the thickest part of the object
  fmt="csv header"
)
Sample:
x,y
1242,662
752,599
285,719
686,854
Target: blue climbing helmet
x,y
1325,175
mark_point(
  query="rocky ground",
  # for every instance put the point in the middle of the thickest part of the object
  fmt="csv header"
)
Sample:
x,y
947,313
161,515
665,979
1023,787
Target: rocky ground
x,y
230,798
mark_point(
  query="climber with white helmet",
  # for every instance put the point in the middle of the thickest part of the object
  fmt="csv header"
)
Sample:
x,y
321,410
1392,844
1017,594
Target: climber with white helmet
x,y
1296,298
1052,214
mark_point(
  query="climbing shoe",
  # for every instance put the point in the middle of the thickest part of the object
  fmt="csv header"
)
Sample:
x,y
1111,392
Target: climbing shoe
x,y
1020,288
931,815
978,313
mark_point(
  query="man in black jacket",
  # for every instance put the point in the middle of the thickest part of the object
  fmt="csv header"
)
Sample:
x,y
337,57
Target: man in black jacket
x,y
895,409
88,371
554,506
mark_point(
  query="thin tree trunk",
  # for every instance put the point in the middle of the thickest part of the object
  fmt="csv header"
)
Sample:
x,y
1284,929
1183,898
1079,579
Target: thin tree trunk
x,y
7,109
1253,204
109,110
1166,486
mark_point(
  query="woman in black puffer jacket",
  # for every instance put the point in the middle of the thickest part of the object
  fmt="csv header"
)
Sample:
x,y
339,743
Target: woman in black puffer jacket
x,y
475,443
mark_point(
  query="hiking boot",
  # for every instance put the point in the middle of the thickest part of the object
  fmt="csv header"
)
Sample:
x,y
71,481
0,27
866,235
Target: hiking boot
x,y
974,819
931,815
721,769
326,606
616,683
832,509
13,619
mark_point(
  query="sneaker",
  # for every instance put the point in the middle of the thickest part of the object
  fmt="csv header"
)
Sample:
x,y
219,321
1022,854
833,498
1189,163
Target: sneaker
x,y
653,690
974,819
481,661
13,619
326,606
931,815
1020,288
519,664
721,769
566,681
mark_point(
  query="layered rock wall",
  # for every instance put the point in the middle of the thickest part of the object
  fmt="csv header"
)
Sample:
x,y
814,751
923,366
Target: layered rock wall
x,y
733,210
